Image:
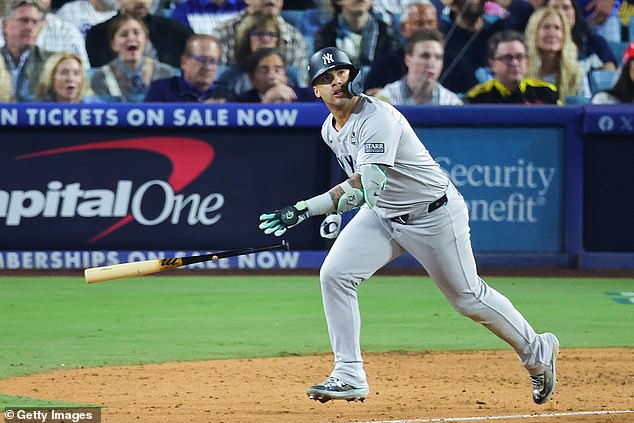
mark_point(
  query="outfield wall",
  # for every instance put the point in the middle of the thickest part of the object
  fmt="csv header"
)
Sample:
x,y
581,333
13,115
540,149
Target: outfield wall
x,y
90,185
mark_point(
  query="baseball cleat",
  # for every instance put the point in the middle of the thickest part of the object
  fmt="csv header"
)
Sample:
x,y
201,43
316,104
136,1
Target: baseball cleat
x,y
544,383
336,389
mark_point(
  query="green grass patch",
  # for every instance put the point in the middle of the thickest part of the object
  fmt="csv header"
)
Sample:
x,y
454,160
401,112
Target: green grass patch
x,y
9,401
52,323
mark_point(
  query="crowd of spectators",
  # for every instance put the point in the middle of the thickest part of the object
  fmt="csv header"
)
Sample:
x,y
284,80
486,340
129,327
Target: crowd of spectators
x,y
410,52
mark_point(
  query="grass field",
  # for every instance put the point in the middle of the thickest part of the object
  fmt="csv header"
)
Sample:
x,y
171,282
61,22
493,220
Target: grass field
x,y
50,323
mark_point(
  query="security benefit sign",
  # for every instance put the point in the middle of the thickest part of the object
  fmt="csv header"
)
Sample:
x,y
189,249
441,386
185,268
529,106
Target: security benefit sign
x,y
118,189
512,181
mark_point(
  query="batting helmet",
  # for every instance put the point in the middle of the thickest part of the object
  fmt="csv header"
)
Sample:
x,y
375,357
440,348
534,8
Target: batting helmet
x,y
332,58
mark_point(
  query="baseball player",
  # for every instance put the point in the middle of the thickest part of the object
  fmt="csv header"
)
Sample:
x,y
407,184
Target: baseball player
x,y
407,203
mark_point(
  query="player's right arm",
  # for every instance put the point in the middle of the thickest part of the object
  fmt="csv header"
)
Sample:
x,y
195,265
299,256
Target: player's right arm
x,y
362,187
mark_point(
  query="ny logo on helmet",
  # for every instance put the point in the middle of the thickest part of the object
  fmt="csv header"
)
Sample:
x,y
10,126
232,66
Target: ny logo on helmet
x,y
327,58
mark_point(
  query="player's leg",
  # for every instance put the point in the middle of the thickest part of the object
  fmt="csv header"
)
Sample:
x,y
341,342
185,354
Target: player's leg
x,y
363,247
441,242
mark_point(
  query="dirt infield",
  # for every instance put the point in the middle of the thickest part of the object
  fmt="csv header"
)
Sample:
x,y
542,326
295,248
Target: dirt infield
x,y
420,386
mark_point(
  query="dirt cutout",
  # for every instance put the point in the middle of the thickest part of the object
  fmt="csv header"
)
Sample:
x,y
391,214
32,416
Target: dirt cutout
x,y
420,386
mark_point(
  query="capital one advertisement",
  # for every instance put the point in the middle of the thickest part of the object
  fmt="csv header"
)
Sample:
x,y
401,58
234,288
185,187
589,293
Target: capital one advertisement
x,y
512,181
102,189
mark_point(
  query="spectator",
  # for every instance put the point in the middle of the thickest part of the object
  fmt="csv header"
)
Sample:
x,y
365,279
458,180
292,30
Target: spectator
x,y
267,71
167,36
199,68
594,51
58,35
552,55
127,77
64,80
5,82
508,61
357,31
253,33
623,90
84,14
203,16
424,59
24,60
391,67
467,31
291,44
602,16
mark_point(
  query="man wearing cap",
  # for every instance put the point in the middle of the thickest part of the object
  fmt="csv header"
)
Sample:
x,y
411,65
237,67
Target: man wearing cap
x,y
24,60
406,203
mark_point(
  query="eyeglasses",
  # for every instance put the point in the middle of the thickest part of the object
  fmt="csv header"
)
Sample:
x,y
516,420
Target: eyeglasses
x,y
205,60
264,70
264,34
508,58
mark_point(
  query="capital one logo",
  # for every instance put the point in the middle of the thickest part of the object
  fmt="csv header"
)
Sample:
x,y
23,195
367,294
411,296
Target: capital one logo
x,y
327,58
188,157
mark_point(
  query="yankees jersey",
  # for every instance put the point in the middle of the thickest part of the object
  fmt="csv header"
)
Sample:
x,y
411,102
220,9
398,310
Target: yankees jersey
x,y
377,133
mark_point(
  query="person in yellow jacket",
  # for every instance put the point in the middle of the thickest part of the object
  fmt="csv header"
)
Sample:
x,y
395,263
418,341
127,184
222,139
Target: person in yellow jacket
x,y
508,62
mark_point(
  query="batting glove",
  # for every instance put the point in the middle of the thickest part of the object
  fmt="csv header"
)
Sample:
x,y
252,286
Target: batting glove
x,y
330,227
278,221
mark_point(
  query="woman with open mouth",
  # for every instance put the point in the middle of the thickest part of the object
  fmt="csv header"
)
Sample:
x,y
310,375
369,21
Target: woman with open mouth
x,y
64,80
128,76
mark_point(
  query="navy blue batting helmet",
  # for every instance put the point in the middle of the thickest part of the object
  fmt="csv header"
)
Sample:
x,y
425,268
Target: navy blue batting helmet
x,y
332,58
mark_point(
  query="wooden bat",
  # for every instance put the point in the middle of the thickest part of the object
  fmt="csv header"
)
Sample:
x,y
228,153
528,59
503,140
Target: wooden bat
x,y
147,267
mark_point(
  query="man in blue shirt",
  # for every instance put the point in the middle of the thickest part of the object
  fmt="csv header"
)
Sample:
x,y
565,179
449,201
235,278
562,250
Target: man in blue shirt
x,y
199,67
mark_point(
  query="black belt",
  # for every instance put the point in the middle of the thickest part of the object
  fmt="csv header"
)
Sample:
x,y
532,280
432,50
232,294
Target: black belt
x,y
434,205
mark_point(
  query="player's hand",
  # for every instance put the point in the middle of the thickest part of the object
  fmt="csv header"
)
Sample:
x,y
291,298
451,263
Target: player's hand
x,y
331,226
278,221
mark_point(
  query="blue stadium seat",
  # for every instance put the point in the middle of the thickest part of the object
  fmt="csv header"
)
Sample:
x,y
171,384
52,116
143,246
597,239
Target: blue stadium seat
x,y
618,48
576,100
483,74
601,80
293,17
630,30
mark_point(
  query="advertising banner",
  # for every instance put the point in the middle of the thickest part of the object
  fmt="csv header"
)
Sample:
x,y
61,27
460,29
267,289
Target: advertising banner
x,y
512,181
154,188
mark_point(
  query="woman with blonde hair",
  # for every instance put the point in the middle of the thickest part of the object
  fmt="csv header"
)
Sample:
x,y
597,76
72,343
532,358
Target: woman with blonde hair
x,y
552,54
63,80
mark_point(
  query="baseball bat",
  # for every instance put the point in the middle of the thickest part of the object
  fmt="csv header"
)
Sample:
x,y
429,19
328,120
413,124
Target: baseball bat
x,y
147,267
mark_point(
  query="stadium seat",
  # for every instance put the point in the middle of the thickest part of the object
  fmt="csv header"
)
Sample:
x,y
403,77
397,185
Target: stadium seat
x,y
630,29
483,74
601,80
618,48
576,100
293,17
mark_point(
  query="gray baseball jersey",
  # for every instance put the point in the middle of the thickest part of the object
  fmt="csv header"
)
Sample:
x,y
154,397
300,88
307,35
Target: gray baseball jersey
x,y
377,133
437,237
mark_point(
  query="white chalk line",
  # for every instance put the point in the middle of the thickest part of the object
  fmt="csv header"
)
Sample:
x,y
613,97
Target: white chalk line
x,y
513,416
